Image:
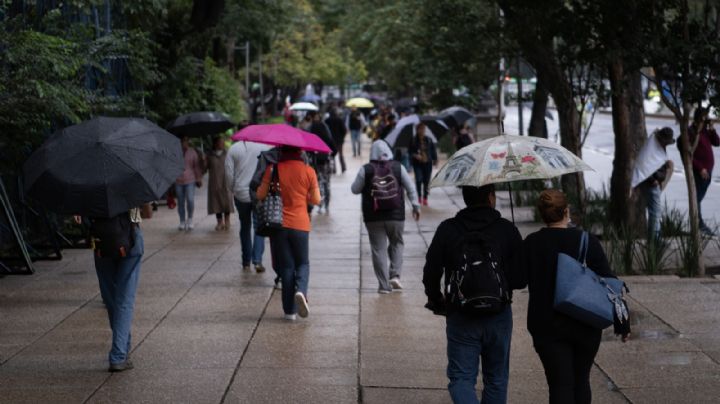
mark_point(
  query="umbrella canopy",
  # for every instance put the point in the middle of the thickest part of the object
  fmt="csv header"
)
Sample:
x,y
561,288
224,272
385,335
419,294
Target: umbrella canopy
x,y
198,124
279,134
455,116
359,102
507,158
404,132
103,167
303,106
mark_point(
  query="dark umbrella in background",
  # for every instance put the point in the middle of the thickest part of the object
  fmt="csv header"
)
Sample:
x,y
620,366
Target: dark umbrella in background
x,y
103,167
455,116
199,124
404,132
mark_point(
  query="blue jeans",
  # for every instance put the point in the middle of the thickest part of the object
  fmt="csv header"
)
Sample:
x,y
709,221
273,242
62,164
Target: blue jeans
x,y
185,194
253,246
292,257
355,140
472,338
651,193
701,187
118,279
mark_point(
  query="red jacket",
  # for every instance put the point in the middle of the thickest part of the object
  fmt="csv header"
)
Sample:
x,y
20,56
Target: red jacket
x,y
703,156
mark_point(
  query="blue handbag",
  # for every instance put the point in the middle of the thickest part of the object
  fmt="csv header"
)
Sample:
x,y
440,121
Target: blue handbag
x,y
584,295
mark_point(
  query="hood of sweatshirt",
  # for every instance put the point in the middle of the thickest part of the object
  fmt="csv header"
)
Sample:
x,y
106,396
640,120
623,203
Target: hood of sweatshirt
x,y
475,218
380,150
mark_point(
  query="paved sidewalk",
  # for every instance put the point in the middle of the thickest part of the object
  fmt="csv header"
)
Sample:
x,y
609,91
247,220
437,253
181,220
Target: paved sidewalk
x,y
207,332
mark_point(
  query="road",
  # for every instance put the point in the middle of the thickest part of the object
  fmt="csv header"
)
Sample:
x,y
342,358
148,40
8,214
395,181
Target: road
x,y
600,147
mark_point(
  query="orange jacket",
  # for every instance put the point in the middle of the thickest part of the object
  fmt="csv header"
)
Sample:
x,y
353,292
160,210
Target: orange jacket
x,y
298,188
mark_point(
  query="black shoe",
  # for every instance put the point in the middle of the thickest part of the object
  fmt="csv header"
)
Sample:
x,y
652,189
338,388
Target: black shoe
x,y
120,367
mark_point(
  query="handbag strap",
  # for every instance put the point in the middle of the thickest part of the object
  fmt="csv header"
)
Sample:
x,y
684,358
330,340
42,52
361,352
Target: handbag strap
x,y
275,180
582,254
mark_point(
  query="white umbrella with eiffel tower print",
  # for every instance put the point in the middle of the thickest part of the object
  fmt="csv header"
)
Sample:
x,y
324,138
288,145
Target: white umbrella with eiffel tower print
x,y
507,158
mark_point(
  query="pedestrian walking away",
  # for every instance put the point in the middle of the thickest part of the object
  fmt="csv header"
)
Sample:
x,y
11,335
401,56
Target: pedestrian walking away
x,y
117,265
703,158
321,162
566,346
381,183
338,130
298,188
240,166
355,122
186,183
477,252
652,172
220,198
424,156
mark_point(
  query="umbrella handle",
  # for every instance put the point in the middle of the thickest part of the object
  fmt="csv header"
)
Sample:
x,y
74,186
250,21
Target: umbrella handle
x,y
512,211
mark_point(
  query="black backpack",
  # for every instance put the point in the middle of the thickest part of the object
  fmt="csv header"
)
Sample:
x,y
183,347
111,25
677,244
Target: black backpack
x,y
478,285
385,190
112,237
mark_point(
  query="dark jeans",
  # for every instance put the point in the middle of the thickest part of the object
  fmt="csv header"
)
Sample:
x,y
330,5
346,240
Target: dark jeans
x,y
470,340
252,247
292,258
339,144
701,187
567,362
423,171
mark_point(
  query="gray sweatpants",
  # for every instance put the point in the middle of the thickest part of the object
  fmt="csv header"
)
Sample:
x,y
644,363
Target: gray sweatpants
x,y
380,234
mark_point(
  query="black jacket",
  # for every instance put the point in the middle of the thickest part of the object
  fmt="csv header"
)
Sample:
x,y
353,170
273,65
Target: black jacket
x,y
322,131
337,129
442,257
540,250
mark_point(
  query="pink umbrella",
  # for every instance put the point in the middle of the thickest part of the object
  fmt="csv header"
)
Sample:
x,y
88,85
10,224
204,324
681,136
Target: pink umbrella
x,y
279,134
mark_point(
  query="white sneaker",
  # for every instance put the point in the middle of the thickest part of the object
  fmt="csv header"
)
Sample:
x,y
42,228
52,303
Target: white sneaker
x,y
189,225
181,226
384,291
395,283
303,309
278,283
290,317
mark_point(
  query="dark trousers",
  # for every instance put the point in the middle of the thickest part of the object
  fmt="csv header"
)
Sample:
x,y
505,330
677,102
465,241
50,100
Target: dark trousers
x,y
291,254
567,362
472,341
701,187
339,145
422,178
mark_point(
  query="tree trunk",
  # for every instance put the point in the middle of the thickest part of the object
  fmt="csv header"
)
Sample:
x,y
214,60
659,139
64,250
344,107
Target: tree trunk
x,y
686,154
230,54
572,184
630,134
538,124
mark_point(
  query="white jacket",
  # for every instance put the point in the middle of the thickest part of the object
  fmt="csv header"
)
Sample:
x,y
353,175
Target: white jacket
x,y
240,166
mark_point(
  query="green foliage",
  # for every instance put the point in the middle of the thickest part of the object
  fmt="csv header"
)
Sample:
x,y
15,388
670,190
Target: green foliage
x,y
194,85
303,52
654,257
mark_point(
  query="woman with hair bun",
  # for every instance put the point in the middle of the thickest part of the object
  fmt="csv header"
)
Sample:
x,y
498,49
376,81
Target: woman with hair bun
x,y
566,347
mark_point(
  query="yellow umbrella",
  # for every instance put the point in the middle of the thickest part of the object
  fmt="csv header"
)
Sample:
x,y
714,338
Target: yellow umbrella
x,y
359,102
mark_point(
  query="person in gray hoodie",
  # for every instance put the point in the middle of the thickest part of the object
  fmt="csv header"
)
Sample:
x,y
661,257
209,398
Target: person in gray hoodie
x,y
240,166
385,217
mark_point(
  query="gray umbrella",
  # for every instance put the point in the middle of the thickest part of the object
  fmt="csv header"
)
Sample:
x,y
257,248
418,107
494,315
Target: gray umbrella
x,y
103,167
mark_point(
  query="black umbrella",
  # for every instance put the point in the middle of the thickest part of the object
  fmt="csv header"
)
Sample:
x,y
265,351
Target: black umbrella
x,y
435,124
455,116
103,167
198,124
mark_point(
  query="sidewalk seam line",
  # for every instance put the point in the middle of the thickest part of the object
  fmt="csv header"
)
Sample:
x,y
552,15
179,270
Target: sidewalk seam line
x,y
247,346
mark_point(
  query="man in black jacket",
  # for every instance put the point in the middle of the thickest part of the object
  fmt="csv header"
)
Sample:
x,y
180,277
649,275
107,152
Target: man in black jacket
x,y
338,130
321,162
471,337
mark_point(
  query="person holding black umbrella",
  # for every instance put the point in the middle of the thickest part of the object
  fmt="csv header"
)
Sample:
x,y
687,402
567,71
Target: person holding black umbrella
x,y
424,156
104,169
185,185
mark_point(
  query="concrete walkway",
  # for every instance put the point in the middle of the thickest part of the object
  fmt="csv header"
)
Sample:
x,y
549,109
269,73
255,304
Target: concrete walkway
x,y
207,332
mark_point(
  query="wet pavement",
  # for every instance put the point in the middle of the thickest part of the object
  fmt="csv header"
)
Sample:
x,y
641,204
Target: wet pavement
x,y
205,331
